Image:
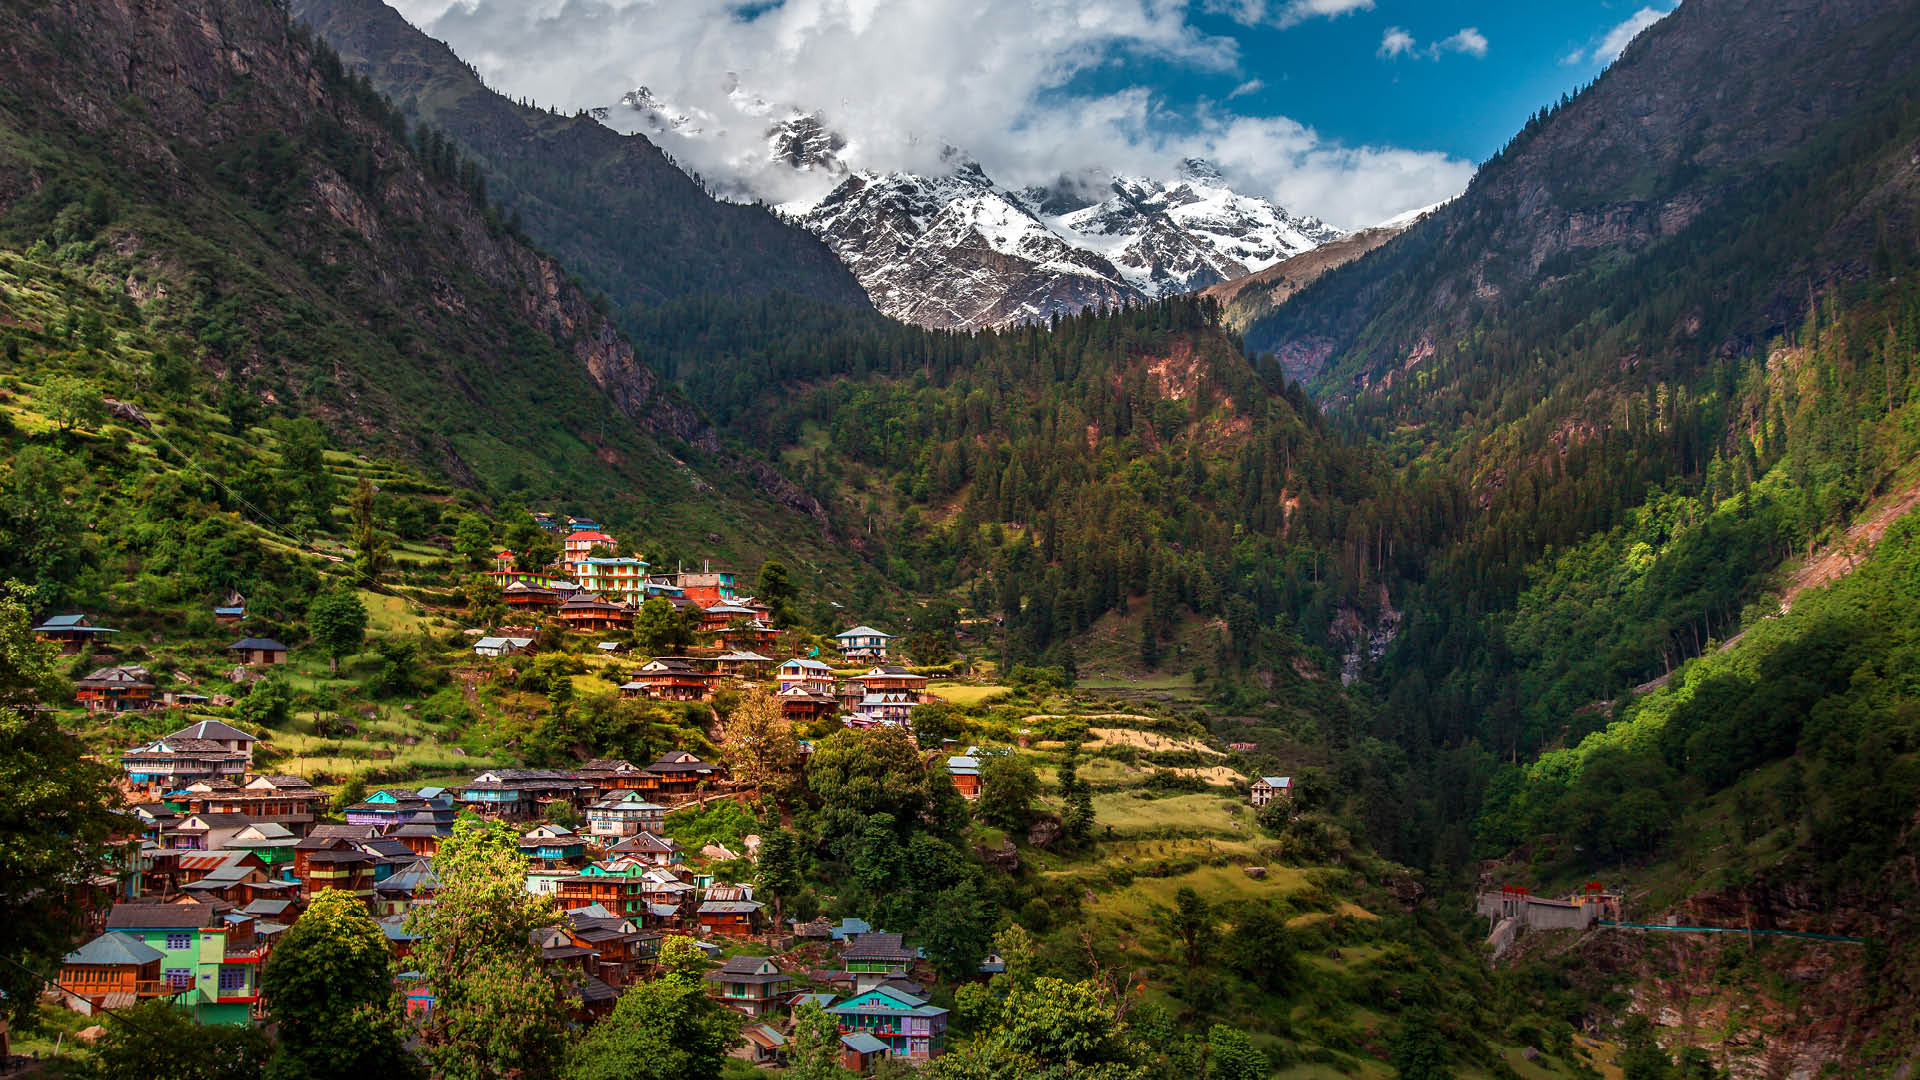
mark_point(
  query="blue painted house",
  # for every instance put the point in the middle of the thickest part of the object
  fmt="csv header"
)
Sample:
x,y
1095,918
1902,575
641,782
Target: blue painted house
x,y
910,1027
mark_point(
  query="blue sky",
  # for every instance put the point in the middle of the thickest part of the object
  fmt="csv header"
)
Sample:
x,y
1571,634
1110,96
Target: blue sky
x,y
1352,110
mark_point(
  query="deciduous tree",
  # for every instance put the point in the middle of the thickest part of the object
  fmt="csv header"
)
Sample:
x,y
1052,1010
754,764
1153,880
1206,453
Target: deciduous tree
x,y
338,621
329,983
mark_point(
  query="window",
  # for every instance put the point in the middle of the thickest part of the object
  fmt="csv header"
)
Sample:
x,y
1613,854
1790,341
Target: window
x,y
177,940
179,979
233,978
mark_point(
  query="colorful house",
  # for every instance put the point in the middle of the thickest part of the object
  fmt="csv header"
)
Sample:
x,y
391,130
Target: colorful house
x,y
209,964
908,1026
802,706
172,763
228,736
618,885
730,910
112,971
587,613
122,688
617,577
705,587
624,814
863,643
750,985
810,675
549,845
577,547
648,849
680,773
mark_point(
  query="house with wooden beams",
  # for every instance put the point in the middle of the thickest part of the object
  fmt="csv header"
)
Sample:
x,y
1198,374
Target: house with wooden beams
x,y
519,794
750,985
113,971
257,652
617,885
121,688
876,957
729,910
743,663
623,814
589,613
73,632
669,678
521,594
965,771
548,845
220,732
681,773
648,849
802,706
863,643
171,763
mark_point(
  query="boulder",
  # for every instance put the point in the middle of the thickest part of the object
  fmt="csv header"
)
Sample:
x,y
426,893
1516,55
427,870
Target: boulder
x,y
1044,832
1257,873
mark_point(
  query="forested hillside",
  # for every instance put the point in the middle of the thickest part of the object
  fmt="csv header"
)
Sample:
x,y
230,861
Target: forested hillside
x,y
282,226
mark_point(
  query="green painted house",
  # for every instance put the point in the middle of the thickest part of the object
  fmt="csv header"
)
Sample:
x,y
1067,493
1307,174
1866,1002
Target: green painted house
x,y
209,959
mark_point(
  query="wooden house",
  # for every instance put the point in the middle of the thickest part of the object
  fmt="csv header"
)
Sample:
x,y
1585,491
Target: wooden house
x,y
113,971
669,678
909,1026
743,663
618,885
226,735
753,986
863,643
519,794
681,773
965,772
649,850
622,950
609,775
802,706
121,688
72,632
257,652
860,1052
729,910
875,958
1268,788
591,614
761,1045
171,763
891,679
522,594
624,814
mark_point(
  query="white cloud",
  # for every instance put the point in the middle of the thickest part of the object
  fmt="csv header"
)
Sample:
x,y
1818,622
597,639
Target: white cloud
x,y
1618,38
1284,13
1396,42
1251,86
1621,36
1469,40
903,81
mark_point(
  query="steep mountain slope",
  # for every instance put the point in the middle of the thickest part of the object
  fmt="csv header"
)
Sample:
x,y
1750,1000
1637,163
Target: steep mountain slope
x,y
1719,118
1247,300
612,208
248,193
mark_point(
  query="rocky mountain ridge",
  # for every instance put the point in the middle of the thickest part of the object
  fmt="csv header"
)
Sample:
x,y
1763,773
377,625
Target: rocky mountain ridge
x,y
956,249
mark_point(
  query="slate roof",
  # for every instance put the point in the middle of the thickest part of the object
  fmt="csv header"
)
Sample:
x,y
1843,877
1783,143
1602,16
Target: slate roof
x,y
754,970
863,1043
266,643
213,729
862,631
113,948
874,946
159,916
1277,781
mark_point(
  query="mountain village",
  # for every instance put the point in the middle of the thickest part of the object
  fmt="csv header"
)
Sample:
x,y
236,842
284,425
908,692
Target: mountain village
x,y
221,858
